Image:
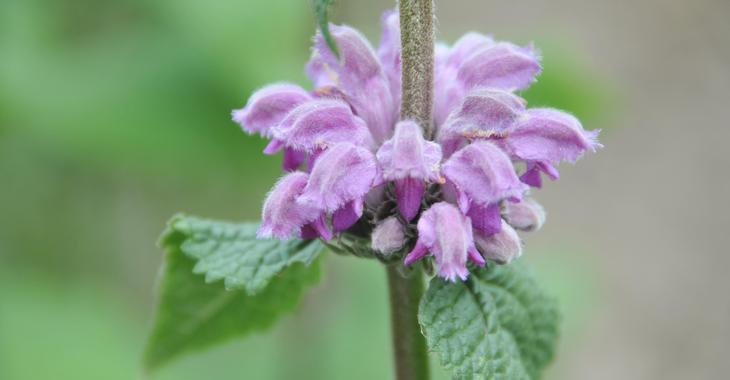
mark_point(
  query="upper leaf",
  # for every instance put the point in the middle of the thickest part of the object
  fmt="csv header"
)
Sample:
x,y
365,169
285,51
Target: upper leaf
x,y
231,251
496,325
194,313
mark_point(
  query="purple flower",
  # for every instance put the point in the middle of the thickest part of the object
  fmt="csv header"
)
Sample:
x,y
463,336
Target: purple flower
x,y
409,160
340,179
543,137
268,106
483,114
446,233
282,216
482,174
360,76
367,174
319,124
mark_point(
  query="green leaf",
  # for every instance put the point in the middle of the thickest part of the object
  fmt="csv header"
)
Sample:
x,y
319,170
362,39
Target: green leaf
x,y
264,278
496,325
232,252
321,12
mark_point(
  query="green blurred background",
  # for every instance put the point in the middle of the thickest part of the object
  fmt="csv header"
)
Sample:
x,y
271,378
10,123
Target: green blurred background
x,y
114,115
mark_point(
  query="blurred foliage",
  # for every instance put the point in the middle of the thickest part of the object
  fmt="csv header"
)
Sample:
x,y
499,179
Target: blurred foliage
x,y
567,83
114,115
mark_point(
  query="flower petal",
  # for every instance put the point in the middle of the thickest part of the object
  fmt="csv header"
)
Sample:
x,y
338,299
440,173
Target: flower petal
x,y
293,159
268,106
409,193
466,45
531,176
316,229
484,173
341,174
484,113
408,154
389,52
545,134
502,65
347,215
282,217
418,252
320,123
448,91
486,219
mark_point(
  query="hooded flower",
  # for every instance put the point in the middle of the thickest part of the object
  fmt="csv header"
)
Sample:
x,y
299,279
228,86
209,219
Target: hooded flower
x,y
410,161
544,137
445,233
369,174
282,216
340,179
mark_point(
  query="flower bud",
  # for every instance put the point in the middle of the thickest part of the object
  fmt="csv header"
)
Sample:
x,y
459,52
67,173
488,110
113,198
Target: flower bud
x,y
502,247
527,215
388,236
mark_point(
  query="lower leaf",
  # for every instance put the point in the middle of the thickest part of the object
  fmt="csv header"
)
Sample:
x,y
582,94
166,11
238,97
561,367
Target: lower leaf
x,y
496,325
194,314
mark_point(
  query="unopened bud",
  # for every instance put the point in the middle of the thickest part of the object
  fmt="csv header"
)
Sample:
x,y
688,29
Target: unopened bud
x,y
526,215
502,247
388,236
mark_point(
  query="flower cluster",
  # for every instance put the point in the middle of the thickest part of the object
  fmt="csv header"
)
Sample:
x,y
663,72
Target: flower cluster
x,y
459,197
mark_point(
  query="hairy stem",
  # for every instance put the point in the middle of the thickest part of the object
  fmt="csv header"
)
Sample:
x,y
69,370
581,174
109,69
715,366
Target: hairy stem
x,y
409,345
417,34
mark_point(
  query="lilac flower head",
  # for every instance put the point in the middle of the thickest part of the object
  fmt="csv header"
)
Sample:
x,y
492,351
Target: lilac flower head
x,y
356,171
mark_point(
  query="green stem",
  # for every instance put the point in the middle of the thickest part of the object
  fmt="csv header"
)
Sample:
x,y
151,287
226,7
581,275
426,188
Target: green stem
x,y
409,345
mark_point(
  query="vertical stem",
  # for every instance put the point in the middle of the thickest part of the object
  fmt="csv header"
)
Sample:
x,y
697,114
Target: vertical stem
x,y
417,56
409,345
417,35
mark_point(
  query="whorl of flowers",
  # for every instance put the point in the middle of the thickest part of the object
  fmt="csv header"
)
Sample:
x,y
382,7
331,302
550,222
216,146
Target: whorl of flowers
x,y
355,168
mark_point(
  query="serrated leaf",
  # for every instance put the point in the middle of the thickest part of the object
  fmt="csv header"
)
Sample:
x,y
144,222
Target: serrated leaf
x,y
194,314
497,325
321,13
231,251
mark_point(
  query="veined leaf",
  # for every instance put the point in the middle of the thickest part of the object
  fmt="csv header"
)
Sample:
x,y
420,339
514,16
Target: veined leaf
x,y
496,325
231,251
194,313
